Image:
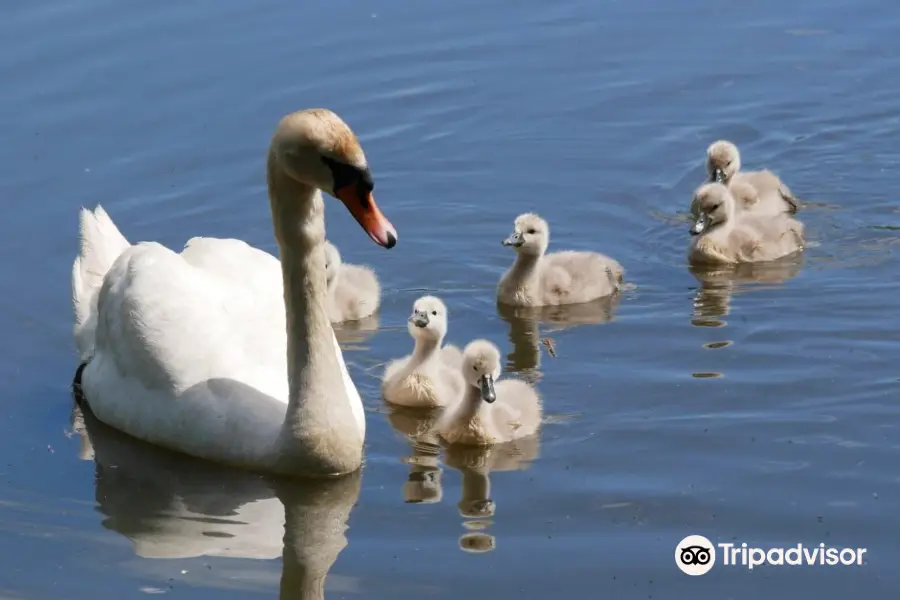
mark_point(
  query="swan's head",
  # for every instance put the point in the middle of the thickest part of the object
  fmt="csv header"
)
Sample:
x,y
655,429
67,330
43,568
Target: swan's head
x,y
317,148
712,205
332,262
428,318
722,161
481,366
531,235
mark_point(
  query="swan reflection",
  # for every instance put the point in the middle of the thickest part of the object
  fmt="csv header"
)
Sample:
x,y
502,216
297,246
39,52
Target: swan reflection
x,y
525,331
171,506
717,284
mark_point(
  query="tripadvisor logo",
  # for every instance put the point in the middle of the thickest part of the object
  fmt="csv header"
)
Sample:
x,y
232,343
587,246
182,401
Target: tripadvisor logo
x,y
696,555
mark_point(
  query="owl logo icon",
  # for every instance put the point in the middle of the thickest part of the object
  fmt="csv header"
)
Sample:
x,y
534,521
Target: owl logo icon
x,y
695,555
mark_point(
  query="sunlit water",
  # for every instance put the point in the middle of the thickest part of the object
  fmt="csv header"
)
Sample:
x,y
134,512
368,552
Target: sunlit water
x,y
758,407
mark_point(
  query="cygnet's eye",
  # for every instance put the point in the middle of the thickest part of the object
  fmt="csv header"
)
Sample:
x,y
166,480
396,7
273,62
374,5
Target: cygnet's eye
x,y
532,231
715,208
434,313
474,368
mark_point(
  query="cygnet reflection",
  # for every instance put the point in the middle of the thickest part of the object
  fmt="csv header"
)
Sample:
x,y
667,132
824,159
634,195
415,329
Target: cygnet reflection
x,y
475,464
423,484
712,300
528,342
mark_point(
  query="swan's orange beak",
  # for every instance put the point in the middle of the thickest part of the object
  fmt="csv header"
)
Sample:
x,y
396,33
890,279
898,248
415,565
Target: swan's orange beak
x,y
361,205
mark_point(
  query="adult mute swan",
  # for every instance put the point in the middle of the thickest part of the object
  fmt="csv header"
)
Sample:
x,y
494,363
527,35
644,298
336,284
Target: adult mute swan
x,y
188,351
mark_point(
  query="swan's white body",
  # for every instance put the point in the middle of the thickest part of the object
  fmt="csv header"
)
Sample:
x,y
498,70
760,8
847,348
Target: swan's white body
x,y
173,324
191,351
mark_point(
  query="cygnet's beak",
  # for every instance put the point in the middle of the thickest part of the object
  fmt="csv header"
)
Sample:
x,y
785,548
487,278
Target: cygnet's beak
x,y
419,319
361,204
719,176
487,388
423,476
515,240
700,224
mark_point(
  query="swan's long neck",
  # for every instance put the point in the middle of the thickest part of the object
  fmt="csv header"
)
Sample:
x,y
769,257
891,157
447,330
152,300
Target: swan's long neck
x,y
320,434
524,269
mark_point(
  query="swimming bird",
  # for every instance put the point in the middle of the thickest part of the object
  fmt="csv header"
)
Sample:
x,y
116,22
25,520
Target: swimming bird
x,y
720,237
223,351
723,163
429,377
353,290
491,411
539,279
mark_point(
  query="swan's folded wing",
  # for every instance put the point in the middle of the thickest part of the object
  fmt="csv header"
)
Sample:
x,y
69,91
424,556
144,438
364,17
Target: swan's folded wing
x,y
239,263
171,322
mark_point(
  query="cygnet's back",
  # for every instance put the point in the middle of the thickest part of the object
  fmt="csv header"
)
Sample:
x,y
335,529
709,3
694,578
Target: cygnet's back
x,y
774,197
568,277
721,237
353,290
491,411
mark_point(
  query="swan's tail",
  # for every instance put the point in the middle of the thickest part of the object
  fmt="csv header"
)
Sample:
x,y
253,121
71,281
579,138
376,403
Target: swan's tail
x,y
101,245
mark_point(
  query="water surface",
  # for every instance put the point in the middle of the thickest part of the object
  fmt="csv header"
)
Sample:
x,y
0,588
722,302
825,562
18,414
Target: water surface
x,y
757,406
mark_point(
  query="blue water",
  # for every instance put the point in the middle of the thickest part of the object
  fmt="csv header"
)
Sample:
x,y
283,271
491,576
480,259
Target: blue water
x,y
759,408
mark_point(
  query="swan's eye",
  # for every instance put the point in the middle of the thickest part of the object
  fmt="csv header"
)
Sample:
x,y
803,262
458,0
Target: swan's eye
x,y
532,231
434,313
345,175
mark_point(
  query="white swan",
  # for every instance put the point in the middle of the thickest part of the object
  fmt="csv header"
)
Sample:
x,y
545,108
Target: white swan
x,y
188,351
